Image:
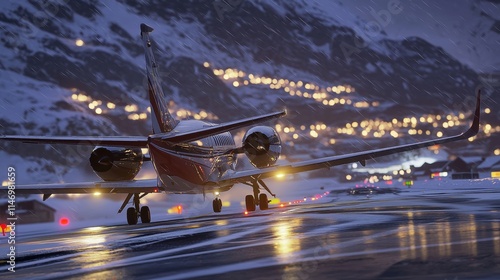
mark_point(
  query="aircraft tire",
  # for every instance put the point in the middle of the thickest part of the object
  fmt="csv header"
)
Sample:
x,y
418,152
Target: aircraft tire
x,y
217,205
250,203
145,215
131,216
263,202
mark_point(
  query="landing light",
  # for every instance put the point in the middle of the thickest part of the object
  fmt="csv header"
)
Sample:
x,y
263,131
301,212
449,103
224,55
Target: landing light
x,y
280,175
97,193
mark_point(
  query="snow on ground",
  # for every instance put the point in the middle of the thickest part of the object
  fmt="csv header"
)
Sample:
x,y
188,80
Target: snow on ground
x,y
85,211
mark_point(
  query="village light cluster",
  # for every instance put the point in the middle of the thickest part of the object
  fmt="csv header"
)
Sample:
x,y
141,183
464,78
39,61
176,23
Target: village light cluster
x,y
424,125
430,125
299,88
100,107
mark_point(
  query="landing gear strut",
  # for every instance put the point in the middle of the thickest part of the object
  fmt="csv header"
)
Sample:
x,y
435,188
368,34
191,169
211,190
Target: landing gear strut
x,y
133,213
257,198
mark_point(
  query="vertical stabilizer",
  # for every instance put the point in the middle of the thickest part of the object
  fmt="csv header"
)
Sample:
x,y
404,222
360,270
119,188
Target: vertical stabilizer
x,y
161,118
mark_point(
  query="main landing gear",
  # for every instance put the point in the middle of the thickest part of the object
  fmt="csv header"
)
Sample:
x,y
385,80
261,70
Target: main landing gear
x,y
260,199
251,201
133,213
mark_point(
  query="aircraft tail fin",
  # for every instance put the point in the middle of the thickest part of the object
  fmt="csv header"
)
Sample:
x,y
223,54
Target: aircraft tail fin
x,y
162,120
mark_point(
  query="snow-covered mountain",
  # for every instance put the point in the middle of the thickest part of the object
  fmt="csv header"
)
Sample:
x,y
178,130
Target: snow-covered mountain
x,y
468,30
77,68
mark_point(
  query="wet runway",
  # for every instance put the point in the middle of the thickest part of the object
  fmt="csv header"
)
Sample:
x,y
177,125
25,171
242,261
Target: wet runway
x,y
416,234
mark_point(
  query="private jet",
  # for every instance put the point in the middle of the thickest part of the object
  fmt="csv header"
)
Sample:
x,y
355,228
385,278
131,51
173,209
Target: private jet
x,y
194,156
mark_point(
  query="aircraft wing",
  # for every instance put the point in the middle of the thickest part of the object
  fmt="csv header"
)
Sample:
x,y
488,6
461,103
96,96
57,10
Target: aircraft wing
x,y
118,141
136,186
189,136
141,141
249,175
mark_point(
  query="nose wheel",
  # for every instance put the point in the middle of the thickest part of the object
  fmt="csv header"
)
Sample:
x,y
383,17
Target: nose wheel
x,y
217,205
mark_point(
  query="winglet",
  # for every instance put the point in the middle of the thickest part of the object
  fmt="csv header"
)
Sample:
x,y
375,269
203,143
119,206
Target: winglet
x,y
474,129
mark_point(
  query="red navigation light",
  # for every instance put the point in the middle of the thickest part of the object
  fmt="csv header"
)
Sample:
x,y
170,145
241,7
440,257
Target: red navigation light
x,y
64,221
3,226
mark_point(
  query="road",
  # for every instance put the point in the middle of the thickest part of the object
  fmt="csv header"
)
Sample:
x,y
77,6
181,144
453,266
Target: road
x,y
450,232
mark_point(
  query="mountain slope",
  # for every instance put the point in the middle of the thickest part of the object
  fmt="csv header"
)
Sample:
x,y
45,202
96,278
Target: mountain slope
x,y
77,68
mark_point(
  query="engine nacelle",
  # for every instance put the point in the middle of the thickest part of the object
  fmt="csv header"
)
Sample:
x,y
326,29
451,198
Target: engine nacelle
x,y
262,145
116,164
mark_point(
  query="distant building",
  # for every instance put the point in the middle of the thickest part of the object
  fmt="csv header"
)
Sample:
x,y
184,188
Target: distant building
x,y
457,168
490,167
30,211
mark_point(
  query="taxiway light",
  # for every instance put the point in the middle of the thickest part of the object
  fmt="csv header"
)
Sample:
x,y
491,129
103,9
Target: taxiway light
x,y
4,229
64,221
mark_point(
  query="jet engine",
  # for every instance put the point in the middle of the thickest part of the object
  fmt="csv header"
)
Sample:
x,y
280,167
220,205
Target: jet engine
x,y
116,164
262,145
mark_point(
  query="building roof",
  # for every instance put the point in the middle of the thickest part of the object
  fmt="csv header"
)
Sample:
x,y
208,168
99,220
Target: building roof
x,y
489,162
473,160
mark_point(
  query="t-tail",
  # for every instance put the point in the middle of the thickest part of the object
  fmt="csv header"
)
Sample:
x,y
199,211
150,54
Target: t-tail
x,y
162,120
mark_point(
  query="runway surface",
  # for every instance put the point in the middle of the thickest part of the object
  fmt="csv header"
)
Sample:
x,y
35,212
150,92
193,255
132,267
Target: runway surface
x,y
447,230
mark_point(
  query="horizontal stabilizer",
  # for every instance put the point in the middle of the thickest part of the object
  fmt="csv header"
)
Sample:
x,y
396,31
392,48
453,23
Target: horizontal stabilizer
x,y
217,129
